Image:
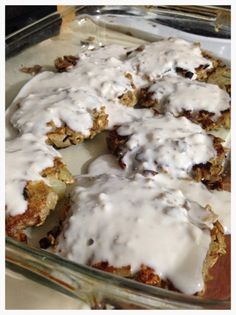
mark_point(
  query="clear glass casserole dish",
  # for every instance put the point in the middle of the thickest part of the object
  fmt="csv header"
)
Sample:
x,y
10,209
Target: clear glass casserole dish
x,y
65,33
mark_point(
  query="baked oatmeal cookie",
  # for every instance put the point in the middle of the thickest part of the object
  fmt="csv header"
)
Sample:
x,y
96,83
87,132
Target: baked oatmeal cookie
x,y
203,103
170,145
35,179
135,211
172,55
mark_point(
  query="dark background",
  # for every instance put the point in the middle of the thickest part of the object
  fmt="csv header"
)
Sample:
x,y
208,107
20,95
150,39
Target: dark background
x,y
20,16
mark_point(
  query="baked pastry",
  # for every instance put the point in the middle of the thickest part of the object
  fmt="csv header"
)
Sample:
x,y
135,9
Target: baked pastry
x,y
201,102
35,179
113,221
168,144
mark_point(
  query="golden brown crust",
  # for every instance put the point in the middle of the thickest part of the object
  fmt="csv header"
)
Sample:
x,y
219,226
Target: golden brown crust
x,y
58,171
41,199
202,72
210,173
64,136
202,117
221,76
147,275
129,98
62,64
217,248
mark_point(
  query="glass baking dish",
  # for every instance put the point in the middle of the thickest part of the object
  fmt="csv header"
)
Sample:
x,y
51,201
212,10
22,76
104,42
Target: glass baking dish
x,y
66,32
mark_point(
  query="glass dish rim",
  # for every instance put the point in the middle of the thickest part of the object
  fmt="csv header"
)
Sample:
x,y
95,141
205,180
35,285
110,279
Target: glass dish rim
x,y
92,272
97,274
161,8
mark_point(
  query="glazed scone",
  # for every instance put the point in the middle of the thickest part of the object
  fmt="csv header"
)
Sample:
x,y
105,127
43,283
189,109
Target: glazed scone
x,y
35,179
168,144
170,56
113,221
201,102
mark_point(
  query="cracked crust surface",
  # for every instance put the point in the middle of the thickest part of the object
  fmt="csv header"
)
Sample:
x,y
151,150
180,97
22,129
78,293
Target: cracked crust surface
x,y
42,198
219,75
202,72
128,98
63,137
210,173
202,117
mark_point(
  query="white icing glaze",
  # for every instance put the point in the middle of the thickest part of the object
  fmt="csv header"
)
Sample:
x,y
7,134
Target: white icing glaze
x,y
220,201
175,94
135,221
26,157
173,144
97,80
164,56
70,106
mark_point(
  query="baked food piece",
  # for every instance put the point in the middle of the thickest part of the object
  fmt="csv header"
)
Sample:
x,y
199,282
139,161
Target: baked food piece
x,y
148,276
222,77
64,63
32,70
219,199
61,137
201,102
202,71
168,56
41,199
168,144
73,105
128,98
35,179
113,220
66,116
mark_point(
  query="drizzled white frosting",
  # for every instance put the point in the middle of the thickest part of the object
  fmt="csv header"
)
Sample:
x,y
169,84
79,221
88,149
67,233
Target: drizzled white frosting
x,y
71,106
26,157
164,56
175,94
173,144
195,191
138,221
99,78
